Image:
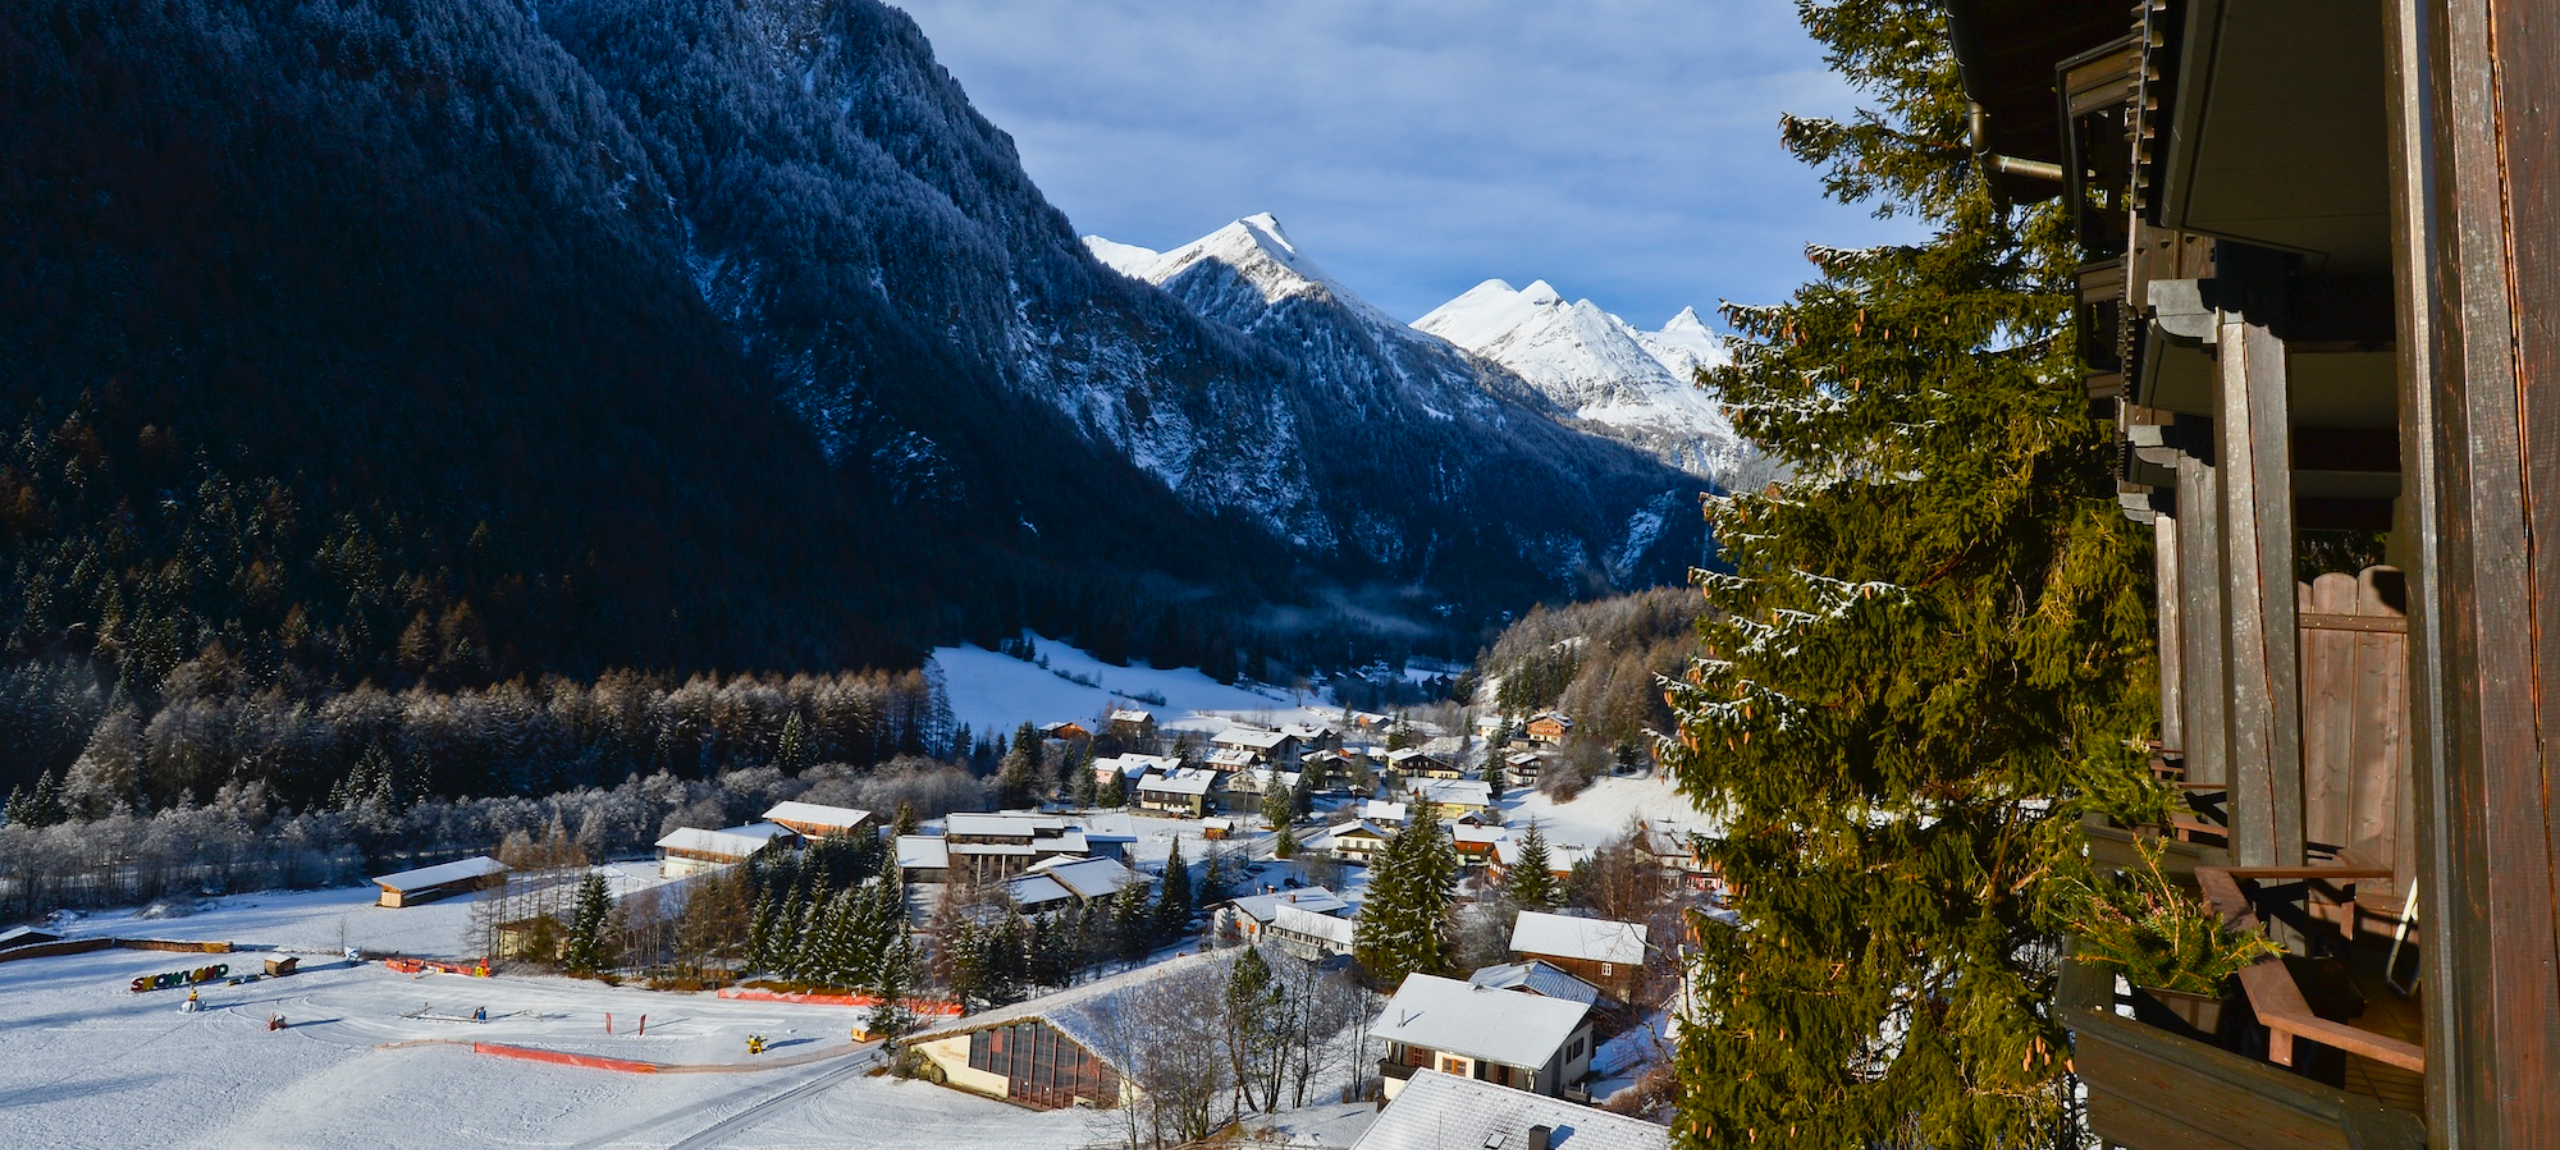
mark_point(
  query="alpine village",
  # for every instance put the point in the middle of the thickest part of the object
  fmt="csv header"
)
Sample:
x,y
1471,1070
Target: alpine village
x,y
615,573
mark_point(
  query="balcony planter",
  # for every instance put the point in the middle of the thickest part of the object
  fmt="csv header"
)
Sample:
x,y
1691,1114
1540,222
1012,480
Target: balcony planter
x,y
2173,947
2200,1012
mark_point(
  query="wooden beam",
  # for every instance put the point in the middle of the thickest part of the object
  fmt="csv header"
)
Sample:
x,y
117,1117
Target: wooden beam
x,y
2255,454
2204,659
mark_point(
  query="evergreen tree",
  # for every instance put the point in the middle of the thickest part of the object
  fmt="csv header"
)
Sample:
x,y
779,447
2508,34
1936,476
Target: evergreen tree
x,y
1495,780
1173,899
1018,780
586,952
1925,661
1133,923
1403,928
894,982
791,751
1278,807
1302,795
1084,791
760,933
1532,882
1115,791
905,822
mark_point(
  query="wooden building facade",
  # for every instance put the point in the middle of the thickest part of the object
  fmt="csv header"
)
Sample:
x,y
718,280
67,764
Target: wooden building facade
x,y
2320,299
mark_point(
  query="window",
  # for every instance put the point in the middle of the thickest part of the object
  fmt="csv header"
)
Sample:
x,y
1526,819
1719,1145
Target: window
x,y
1452,1064
1574,1049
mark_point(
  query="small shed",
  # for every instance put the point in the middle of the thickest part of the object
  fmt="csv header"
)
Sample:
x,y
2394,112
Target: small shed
x,y
427,884
1217,829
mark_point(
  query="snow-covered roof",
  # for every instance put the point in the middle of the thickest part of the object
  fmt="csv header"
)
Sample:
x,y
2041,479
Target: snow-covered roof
x,y
1088,878
1302,920
1402,755
1561,858
24,936
459,870
1381,811
1537,978
1084,1013
923,852
1135,765
1250,737
728,842
1557,717
1306,731
1009,823
1220,823
1477,1021
1437,1111
1360,827
819,814
1233,757
1131,716
1590,939
1185,782
1036,892
1481,836
1455,792
1313,899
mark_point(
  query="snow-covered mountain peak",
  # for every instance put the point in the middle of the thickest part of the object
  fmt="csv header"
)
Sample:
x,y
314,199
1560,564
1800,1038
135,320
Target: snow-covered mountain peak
x,y
1637,384
1257,250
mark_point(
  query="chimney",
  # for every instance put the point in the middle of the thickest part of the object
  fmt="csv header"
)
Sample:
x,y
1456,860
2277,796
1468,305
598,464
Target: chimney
x,y
1538,1136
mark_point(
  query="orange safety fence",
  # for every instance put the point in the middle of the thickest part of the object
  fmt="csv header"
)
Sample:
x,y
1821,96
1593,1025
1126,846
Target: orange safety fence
x,y
589,1061
926,1007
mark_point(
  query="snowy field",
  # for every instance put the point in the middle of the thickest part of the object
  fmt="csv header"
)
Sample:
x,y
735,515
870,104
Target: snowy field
x,y
996,692
1602,812
379,1059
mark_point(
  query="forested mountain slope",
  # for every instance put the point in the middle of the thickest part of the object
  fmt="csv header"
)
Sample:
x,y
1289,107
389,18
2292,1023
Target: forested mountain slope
x,y
444,342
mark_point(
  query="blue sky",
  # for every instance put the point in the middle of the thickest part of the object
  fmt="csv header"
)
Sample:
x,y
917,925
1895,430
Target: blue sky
x,y
1623,150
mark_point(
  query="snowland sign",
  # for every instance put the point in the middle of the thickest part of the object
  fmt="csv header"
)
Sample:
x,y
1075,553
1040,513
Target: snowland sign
x,y
180,978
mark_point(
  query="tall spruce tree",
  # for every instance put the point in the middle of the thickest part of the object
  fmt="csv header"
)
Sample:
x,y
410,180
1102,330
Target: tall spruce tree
x,y
1532,881
1173,901
1925,662
1403,927
586,952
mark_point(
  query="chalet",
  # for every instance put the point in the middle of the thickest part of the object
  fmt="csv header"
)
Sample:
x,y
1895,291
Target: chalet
x,y
1521,1041
687,850
1384,813
426,884
1437,1111
1359,841
1185,792
1057,883
1524,768
816,821
1068,731
1309,934
1676,850
988,847
1063,1050
1549,727
1539,977
1244,789
1231,759
1313,737
1414,763
1245,916
1608,955
1455,798
2314,298
1130,725
1268,748
1476,844
1335,766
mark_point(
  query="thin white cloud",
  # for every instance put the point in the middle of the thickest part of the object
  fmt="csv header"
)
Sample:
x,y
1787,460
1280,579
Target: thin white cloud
x,y
1624,150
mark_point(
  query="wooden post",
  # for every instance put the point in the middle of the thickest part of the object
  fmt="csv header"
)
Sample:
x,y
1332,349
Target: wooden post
x,y
2205,634
2254,438
2476,190
2164,553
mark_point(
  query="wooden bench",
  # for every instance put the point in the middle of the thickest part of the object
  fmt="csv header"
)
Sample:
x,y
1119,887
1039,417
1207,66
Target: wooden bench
x,y
2272,993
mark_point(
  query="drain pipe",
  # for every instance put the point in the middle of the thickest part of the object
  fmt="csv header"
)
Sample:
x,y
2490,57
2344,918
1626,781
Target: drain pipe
x,y
1979,137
